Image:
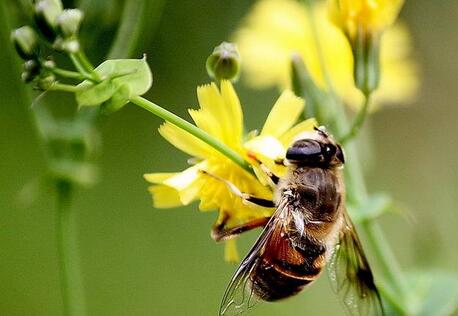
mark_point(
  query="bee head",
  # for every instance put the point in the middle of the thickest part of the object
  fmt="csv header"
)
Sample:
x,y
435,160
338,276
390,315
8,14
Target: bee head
x,y
315,149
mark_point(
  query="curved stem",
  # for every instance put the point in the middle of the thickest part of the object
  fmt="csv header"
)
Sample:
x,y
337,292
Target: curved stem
x,y
71,283
358,121
67,73
357,191
192,129
63,87
129,30
83,66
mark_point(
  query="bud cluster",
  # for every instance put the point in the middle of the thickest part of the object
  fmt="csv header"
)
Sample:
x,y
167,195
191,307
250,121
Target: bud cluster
x,y
54,25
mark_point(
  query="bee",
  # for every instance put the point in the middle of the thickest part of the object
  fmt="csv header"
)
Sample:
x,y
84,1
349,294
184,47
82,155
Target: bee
x,y
310,229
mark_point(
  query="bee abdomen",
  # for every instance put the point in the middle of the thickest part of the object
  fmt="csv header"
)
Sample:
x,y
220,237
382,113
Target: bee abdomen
x,y
281,274
271,284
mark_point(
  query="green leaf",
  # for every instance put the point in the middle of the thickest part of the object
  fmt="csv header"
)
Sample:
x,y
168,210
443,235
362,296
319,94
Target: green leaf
x,y
122,79
135,73
433,292
94,94
118,100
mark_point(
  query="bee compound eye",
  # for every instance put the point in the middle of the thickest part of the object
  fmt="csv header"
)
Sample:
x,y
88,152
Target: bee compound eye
x,y
303,150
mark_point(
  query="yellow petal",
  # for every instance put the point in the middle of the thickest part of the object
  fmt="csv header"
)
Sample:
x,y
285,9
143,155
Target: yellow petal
x,y
287,138
266,146
231,253
184,141
220,114
164,196
157,178
186,183
211,116
283,115
276,28
234,112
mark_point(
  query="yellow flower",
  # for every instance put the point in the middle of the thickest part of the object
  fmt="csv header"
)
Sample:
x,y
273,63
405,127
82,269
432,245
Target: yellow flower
x,y
221,116
368,16
277,28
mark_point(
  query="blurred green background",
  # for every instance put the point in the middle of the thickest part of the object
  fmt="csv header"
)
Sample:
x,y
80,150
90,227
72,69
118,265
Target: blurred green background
x,y
142,261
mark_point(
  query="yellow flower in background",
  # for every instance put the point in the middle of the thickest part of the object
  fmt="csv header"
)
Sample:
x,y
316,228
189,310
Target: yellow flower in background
x,y
221,116
275,29
369,16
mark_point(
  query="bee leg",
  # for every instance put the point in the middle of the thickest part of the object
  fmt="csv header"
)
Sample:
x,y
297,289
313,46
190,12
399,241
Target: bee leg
x,y
269,173
266,170
244,196
220,233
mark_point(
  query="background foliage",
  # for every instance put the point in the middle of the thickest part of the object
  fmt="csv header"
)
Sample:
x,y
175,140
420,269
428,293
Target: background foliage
x,y
141,261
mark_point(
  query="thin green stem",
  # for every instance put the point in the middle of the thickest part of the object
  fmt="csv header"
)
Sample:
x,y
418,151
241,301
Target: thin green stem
x,y
381,249
193,130
358,121
71,282
63,87
68,74
78,65
87,64
83,66
357,191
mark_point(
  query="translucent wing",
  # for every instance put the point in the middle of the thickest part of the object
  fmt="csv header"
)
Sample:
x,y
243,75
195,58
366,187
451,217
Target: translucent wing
x,y
351,276
239,296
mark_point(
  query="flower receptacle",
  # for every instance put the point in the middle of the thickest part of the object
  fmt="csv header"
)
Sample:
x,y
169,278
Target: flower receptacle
x,y
224,62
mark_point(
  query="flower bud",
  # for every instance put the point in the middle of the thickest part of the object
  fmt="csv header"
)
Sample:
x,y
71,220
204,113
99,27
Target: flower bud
x,y
46,13
25,41
363,22
69,22
31,70
366,16
224,62
44,83
66,45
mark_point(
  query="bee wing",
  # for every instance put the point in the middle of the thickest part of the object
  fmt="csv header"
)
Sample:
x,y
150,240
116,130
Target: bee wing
x,y
351,276
239,296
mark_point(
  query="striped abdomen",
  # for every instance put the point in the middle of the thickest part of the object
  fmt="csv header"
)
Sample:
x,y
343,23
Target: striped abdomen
x,y
286,266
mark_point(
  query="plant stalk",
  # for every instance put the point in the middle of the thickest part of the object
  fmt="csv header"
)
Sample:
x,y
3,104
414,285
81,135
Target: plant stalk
x,y
193,130
69,261
358,121
357,191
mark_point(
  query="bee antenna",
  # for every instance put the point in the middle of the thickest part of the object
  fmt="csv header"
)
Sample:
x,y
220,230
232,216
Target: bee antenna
x,y
322,130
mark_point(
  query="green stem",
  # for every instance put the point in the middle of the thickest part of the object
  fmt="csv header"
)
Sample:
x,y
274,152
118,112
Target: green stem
x,y
71,282
358,121
63,87
193,130
83,66
357,192
381,249
68,74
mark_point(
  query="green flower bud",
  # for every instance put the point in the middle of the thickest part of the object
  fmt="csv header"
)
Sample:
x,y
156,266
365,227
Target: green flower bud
x,y
49,64
69,22
31,70
46,14
366,69
44,83
66,45
25,41
224,62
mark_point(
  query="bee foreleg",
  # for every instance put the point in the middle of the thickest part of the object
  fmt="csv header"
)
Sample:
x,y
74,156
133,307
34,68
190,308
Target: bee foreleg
x,y
244,196
266,170
219,233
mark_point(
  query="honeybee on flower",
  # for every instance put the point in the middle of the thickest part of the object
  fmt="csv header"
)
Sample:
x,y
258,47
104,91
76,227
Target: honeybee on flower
x,y
221,116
